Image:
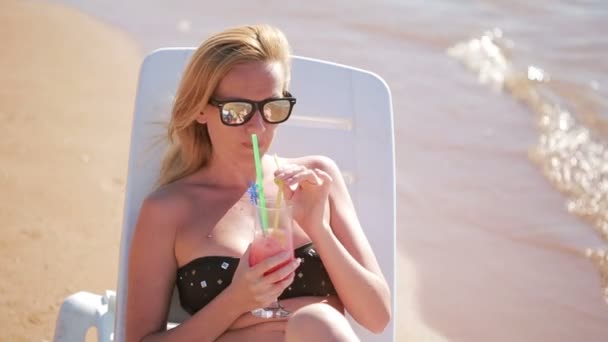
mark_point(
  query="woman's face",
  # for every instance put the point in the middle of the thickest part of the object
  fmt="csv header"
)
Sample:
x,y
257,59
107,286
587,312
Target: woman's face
x,y
254,81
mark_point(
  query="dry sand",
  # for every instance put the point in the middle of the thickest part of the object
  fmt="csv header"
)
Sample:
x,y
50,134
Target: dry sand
x,y
66,100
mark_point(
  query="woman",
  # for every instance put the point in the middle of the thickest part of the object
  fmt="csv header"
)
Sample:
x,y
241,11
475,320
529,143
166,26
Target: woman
x,y
194,231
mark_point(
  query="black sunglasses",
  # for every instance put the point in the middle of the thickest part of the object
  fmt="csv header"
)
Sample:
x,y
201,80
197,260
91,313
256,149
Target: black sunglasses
x,y
237,112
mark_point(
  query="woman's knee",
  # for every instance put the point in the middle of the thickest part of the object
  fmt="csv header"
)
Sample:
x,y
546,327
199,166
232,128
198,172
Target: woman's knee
x,y
318,322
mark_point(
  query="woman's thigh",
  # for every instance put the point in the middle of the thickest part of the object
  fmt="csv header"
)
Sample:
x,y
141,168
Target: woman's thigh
x,y
318,322
273,331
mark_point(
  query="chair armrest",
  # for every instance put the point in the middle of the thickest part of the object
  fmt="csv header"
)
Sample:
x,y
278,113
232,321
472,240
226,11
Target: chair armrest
x,y
83,310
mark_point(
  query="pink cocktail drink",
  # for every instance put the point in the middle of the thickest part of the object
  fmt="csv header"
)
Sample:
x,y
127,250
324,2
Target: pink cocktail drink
x,y
271,243
272,235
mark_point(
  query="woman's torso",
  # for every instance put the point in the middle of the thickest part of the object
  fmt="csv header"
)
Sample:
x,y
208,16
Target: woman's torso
x,y
219,222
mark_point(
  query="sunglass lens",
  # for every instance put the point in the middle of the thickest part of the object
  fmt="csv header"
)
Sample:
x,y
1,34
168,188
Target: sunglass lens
x,y
234,113
277,110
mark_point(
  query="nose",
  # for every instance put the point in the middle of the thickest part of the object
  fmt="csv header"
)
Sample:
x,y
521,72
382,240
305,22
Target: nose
x,y
256,124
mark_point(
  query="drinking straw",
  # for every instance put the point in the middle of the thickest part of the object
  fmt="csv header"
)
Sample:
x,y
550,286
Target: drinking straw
x,y
259,181
279,195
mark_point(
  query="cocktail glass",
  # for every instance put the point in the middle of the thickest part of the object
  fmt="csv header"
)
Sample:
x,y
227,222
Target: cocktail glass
x,y
272,235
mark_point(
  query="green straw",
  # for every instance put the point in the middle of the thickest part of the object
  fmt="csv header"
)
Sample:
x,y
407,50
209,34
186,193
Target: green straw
x,y
260,180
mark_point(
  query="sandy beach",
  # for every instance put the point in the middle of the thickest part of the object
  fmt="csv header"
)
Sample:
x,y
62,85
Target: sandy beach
x,y
487,250
65,115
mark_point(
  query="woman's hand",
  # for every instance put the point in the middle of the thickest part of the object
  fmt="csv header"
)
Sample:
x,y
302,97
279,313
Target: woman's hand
x,y
307,190
251,289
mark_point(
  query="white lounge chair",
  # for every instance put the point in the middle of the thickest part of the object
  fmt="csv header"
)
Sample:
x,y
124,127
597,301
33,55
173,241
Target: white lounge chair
x,y
342,112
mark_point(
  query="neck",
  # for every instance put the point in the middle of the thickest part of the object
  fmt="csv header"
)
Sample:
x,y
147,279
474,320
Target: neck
x,y
225,172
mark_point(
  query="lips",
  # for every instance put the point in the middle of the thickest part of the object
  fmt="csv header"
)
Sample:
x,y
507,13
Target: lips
x,y
249,145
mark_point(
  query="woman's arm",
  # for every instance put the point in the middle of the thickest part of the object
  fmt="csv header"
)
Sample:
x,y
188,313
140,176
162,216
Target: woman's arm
x,y
152,270
339,240
348,257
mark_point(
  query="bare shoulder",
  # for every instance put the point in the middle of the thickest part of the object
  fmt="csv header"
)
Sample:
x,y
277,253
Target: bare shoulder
x,y
166,206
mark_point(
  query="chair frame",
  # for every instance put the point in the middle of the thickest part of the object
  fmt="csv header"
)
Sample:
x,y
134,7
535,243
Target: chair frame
x,y
354,127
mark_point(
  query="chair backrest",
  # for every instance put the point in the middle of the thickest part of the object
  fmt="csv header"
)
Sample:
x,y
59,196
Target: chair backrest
x,y
342,112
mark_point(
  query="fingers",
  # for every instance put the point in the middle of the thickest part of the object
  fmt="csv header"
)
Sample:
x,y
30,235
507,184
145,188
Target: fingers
x,y
272,262
283,272
272,291
269,287
293,175
280,286
288,168
259,289
324,176
306,176
282,174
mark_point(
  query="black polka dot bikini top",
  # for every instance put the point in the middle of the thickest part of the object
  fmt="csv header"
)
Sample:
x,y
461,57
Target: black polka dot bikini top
x,y
202,279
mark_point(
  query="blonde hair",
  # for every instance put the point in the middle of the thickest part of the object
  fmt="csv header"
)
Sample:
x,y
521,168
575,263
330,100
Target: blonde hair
x,y
189,145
